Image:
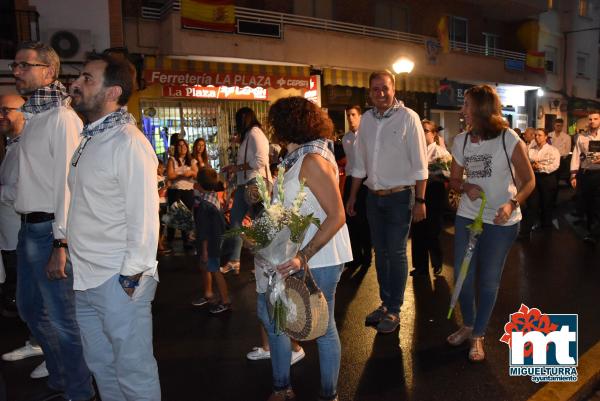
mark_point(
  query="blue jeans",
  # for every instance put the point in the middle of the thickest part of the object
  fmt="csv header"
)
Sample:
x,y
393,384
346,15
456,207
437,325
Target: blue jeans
x,y
117,337
48,308
487,265
389,219
329,344
238,212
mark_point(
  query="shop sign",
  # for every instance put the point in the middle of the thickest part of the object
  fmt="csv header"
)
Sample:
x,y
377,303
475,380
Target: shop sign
x,y
314,93
514,65
215,92
193,78
451,93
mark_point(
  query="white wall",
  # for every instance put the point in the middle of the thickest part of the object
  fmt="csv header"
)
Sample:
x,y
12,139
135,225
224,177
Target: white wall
x,y
76,14
582,42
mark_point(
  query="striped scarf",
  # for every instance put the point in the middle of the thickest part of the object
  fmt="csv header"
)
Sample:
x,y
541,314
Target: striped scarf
x,y
322,147
119,117
388,113
46,98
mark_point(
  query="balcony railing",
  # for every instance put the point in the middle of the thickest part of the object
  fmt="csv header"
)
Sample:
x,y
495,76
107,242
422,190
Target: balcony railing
x,y
250,14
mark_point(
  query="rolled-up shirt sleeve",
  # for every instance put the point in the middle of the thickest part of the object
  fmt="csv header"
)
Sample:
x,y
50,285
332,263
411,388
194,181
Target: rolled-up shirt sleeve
x,y
63,142
359,169
418,148
137,180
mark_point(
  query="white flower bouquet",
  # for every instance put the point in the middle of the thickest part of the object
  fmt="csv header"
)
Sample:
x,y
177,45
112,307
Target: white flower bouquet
x,y
441,165
275,237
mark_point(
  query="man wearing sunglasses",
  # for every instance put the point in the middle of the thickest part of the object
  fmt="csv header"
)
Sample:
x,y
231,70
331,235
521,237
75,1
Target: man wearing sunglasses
x,y
46,300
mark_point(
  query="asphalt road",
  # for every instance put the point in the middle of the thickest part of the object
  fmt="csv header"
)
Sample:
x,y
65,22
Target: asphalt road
x,y
202,357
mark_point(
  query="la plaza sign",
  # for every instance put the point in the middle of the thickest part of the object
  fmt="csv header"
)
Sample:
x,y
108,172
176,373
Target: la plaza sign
x,y
194,78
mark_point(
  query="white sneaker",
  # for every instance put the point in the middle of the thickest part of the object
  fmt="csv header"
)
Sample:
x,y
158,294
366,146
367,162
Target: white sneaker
x,y
24,352
258,353
40,371
297,356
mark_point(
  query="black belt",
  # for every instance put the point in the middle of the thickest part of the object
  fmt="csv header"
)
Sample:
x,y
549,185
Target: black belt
x,y
36,217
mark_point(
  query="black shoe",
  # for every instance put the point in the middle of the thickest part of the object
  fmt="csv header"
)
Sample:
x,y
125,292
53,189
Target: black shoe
x,y
47,394
437,270
419,272
588,239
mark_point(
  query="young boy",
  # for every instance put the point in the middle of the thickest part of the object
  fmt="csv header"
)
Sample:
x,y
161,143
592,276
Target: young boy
x,y
210,227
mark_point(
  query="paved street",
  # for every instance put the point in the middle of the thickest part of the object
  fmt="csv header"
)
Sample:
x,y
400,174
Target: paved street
x,y
202,357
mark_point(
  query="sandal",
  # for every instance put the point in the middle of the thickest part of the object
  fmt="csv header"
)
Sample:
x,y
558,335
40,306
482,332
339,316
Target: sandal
x,y
283,395
476,353
231,266
460,336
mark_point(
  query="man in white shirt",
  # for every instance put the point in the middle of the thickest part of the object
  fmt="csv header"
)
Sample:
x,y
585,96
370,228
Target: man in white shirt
x,y
561,141
545,160
113,233
45,296
358,225
585,175
11,125
391,153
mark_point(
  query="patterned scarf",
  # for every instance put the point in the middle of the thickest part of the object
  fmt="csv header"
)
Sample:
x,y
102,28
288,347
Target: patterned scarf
x,y
210,197
46,98
388,113
322,147
119,117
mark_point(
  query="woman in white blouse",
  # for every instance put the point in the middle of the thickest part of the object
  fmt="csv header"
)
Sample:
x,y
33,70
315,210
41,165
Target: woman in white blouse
x,y
252,160
181,172
545,160
304,128
425,244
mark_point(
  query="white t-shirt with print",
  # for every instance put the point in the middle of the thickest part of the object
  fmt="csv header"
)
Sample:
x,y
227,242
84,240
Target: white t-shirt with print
x,y
486,165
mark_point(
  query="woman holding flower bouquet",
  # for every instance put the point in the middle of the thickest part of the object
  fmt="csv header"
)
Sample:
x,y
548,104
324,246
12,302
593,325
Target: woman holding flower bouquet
x,y
496,163
425,242
311,169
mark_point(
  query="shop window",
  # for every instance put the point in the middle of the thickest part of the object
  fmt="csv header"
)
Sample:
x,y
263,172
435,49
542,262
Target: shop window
x,y
550,61
459,29
209,119
391,15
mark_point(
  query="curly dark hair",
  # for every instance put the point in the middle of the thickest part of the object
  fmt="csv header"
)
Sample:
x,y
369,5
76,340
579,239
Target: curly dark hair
x,y
297,120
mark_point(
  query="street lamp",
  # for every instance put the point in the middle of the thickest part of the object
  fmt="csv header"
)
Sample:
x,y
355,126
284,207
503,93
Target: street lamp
x,y
403,65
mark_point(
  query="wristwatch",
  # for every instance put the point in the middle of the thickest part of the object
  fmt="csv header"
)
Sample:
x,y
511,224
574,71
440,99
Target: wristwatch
x,y
419,200
59,244
515,202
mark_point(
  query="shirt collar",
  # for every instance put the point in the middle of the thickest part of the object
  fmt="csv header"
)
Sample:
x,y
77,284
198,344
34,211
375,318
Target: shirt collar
x,y
389,112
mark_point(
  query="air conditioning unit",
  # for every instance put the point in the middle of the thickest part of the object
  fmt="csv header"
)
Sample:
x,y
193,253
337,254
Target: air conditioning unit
x,y
70,44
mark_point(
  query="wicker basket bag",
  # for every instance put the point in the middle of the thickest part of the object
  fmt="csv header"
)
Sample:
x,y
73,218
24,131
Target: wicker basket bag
x,y
312,315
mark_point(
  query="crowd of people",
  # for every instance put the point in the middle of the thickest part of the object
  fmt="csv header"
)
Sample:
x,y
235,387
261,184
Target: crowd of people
x,y
80,203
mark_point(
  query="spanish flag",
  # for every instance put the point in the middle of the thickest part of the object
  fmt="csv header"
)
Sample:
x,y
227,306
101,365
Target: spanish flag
x,y
535,61
212,15
443,35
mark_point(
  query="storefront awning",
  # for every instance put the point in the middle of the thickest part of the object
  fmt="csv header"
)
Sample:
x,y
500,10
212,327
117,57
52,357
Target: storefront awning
x,y
172,71
360,79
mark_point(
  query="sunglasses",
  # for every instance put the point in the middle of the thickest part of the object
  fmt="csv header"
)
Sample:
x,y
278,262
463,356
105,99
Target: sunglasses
x,y
79,150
